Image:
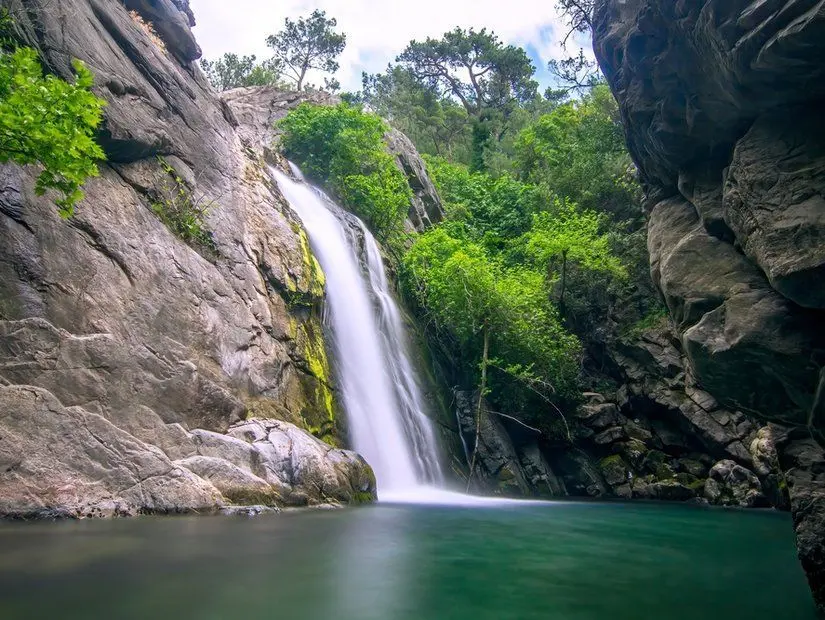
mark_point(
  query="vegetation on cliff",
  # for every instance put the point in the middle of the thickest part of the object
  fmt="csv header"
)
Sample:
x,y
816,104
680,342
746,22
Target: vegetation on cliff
x,y
533,250
47,121
344,148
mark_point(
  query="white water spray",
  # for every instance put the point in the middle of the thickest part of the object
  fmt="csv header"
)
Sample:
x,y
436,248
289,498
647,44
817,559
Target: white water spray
x,y
378,385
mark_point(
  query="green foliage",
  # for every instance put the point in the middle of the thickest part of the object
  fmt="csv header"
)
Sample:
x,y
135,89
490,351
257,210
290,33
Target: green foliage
x,y
183,213
436,125
46,120
465,292
309,43
570,233
493,211
343,147
233,71
577,151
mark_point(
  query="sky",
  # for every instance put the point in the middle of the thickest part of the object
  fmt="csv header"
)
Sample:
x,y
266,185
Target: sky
x,y
378,30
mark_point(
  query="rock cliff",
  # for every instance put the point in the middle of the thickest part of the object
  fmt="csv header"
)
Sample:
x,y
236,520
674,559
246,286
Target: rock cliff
x,y
722,104
140,374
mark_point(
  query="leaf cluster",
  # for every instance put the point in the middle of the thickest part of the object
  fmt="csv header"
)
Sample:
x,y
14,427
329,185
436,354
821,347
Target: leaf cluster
x,y
49,121
343,148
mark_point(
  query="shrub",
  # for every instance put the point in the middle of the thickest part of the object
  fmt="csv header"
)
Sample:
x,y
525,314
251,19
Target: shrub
x,y
183,213
149,29
49,121
343,148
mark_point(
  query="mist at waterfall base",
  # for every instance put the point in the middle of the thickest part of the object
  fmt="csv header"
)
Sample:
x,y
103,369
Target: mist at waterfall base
x,y
378,383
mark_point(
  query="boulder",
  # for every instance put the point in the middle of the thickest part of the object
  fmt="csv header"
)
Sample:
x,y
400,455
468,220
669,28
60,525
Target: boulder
x,y
731,484
69,461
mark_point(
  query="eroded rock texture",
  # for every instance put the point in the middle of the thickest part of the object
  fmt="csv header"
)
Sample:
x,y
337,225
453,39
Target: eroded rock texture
x,y
722,103
131,341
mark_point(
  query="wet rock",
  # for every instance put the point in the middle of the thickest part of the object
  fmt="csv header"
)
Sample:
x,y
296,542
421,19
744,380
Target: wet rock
x,y
598,416
731,484
614,470
666,490
538,472
611,435
497,463
248,511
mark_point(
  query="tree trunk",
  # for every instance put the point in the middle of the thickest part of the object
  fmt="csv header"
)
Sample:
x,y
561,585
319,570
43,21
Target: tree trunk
x,y
563,280
302,76
481,390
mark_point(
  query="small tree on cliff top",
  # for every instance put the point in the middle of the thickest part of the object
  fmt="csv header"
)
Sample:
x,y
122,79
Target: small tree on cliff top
x,y
309,43
477,69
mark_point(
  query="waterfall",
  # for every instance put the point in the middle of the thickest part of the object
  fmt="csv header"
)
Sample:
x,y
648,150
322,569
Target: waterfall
x,y
377,380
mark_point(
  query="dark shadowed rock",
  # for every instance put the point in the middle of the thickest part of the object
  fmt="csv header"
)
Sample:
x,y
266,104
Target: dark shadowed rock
x,y
426,208
722,104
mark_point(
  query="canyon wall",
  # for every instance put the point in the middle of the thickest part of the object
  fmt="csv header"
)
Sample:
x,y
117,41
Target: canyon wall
x,y
722,105
139,373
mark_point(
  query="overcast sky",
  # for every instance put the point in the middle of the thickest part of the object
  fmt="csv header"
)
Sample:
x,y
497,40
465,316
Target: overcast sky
x,y
378,30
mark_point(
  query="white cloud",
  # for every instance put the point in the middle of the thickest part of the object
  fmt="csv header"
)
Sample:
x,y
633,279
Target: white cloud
x,y
378,30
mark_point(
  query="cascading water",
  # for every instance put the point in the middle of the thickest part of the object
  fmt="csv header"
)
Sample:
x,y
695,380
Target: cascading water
x,y
378,384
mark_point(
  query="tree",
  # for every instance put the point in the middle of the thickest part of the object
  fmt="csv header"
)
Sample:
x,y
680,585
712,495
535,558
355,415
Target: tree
x,y
436,125
46,120
309,43
579,15
500,317
567,235
478,70
578,152
576,74
233,71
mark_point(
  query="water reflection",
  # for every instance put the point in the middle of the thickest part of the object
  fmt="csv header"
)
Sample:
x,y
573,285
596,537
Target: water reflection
x,y
407,562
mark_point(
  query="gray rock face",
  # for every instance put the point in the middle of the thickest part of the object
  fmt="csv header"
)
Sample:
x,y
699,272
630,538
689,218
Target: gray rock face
x,y
68,461
426,208
112,328
774,201
722,103
497,463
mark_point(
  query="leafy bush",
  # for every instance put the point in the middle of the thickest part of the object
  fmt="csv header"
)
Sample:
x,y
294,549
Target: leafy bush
x,y
46,120
183,213
492,210
343,148
476,304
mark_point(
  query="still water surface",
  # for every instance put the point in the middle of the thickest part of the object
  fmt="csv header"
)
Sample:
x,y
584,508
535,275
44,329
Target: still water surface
x,y
565,561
